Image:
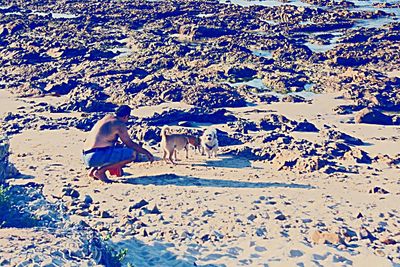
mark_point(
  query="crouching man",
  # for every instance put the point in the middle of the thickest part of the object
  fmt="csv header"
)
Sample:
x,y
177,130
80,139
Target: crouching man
x,y
100,152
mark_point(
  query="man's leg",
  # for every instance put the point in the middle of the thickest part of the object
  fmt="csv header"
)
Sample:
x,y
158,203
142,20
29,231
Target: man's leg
x,y
101,172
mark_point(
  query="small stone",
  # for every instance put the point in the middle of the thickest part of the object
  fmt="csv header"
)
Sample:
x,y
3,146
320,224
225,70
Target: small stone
x,y
143,232
294,253
365,234
155,210
378,190
280,217
71,192
205,238
261,232
251,217
83,223
82,213
380,253
218,234
88,199
388,241
208,213
138,205
105,214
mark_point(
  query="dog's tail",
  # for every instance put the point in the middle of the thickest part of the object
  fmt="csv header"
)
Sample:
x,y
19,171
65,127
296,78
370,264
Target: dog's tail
x,y
164,131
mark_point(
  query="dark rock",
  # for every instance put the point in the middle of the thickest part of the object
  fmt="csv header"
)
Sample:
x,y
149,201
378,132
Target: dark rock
x,y
35,58
205,238
350,61
195,32
274,121
97,54
334,135
85,98
105,214
293,99
139,205
225,139
146,133
371,116
62,88
305,126
273,136
211,96
240,73
358,155
71,192
280,217
251,153
74,52
378,190
155,210
243,126
201,115
88,199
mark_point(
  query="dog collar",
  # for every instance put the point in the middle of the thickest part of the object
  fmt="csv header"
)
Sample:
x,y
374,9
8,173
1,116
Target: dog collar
x,y
210,147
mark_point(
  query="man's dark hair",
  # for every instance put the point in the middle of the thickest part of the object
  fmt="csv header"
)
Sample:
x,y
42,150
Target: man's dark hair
x,y
123,111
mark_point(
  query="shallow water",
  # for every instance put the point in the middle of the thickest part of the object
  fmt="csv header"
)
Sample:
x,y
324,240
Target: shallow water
x,y
321,48
203,15
258,83
124,51
55,15
373,23
262,53
269,3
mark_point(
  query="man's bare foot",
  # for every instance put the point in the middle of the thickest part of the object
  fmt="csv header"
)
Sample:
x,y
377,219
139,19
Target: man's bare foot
x,y
91,172
101,176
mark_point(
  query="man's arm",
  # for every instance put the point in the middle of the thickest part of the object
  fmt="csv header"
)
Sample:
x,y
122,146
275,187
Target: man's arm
x,y
126,139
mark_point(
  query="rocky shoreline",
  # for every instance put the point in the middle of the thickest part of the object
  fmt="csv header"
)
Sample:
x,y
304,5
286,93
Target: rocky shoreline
x,y
174,53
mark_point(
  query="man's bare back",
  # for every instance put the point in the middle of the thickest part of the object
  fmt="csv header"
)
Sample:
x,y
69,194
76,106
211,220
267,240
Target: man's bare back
x,y
104,133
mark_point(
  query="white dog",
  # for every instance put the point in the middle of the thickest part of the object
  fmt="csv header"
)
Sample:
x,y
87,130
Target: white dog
x,y
209,142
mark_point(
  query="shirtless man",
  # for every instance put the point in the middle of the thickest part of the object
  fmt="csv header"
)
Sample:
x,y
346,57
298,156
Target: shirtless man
x,y
100,152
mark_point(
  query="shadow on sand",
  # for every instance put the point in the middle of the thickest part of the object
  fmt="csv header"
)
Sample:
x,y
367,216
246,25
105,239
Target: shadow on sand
x,y
226,162
173,179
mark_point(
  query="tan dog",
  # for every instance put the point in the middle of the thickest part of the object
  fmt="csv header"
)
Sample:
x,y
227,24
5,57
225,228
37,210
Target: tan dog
x,y
171,143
